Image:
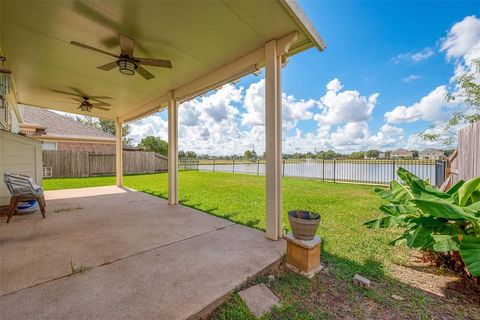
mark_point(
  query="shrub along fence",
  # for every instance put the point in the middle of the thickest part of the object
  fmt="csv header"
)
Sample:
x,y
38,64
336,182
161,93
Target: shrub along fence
x,y
64,163
378,172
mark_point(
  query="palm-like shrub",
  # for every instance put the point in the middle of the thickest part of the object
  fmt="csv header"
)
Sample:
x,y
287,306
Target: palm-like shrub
x,y
434,220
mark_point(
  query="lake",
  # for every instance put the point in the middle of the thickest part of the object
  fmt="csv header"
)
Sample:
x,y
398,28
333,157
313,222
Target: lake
x,y
359,171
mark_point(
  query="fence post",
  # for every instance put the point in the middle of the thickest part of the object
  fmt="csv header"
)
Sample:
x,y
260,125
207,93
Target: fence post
x,y
334,165
213,165
233,166
283,169
198,165
323,169
393,169
258,167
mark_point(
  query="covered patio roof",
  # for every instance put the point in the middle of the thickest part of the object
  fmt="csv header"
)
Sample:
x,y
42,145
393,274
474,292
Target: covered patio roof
x,y
199,37
209,43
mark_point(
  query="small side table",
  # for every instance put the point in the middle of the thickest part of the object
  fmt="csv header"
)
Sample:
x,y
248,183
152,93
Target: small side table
x,y
303,256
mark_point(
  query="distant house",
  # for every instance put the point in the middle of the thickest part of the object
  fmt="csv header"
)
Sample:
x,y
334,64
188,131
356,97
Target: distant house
x,y
58,132
401,154
381,155
433,154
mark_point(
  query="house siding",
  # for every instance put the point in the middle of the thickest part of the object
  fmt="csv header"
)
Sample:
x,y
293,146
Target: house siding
x,y
19,154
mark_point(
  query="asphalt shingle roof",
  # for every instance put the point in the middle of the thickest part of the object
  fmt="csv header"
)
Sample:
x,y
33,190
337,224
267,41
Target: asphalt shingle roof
x,y
61,126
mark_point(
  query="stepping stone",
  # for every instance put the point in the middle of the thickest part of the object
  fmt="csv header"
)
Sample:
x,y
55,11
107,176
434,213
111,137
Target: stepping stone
x,y
259,299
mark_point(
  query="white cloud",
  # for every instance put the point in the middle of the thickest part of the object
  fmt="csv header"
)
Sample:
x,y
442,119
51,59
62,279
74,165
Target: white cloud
x,y
462,44
462,37
433,107
388,137
414,57
411,78
293,110
339,107
353,133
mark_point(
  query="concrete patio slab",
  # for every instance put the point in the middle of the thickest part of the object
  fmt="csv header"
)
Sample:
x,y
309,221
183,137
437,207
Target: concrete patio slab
x,y
148,260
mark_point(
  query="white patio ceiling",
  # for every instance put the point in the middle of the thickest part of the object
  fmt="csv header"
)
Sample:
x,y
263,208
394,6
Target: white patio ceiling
x,y
199,37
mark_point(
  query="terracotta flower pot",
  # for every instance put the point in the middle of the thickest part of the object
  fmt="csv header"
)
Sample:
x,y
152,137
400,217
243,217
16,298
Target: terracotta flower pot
x,y
304,224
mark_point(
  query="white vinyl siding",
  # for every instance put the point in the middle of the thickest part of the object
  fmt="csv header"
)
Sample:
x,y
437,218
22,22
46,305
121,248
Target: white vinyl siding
x,y
19,154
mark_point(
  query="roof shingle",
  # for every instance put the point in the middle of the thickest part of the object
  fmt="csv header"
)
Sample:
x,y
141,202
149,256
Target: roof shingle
x,y
61,126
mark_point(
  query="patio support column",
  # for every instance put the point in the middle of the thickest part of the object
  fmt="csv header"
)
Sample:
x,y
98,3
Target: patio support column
x,y
172,150
118,152
273,133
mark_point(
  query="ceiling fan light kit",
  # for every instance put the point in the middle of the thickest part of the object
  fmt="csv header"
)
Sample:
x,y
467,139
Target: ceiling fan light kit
x,y
126,62
126,67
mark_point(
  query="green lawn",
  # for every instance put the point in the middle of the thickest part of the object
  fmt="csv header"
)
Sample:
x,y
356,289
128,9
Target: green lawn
x,y
350,247
347,246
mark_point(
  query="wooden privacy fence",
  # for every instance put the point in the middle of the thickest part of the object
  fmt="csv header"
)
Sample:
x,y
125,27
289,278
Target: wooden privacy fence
x,y
63,163
464,163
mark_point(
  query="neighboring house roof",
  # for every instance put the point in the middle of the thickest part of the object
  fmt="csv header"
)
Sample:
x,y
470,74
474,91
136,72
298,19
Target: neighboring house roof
x,y
401,152
432,151
61,127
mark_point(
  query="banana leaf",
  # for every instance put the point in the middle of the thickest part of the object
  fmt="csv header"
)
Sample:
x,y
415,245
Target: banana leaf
x,y
396,210
400,192
470,253
420,238
466,190
455,188
384,222
445,242
442,209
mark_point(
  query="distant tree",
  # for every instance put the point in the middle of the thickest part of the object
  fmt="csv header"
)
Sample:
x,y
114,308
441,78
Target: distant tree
x,y
372,153
181,154
357,155
154,144
190,155
250,155
448,152
388,153
415,153
107,126
469,92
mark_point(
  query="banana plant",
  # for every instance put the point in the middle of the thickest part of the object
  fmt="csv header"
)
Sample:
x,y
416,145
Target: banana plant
x,y
434,220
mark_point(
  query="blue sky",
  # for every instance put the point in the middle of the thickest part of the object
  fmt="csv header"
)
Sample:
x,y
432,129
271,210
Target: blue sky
x,y
387,66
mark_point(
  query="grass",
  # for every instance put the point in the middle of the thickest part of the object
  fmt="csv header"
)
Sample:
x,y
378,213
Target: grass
x,y
347,246
346,243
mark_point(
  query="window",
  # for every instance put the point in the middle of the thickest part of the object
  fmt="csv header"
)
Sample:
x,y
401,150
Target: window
x,y
49,146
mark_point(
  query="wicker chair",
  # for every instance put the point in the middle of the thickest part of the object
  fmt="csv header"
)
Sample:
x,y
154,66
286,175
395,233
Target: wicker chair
x,y
23,188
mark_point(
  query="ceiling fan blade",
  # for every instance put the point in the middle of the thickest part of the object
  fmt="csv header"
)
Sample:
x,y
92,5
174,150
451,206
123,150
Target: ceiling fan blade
x,y
69,102
75,43
155,62
108,66
78,92
77,100
64,92
144,73
100,104
127,45
99,107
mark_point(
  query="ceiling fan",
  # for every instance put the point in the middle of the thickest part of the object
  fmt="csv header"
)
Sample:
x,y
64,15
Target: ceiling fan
x,y
126,62
84,100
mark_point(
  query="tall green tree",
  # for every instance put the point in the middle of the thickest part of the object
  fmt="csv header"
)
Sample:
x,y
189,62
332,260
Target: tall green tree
x,y
107,126
250,155
154,144
469,93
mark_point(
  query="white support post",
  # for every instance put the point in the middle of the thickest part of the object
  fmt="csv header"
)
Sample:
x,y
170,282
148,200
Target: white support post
x,y
172,150
273,130
118,152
